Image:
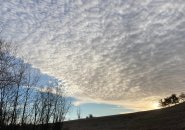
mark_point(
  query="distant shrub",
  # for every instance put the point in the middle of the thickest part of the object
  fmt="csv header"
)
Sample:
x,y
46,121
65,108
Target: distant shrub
x,y
90,116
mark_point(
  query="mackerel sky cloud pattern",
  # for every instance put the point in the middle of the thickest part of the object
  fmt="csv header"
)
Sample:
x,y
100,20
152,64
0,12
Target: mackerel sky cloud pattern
x,y
119,52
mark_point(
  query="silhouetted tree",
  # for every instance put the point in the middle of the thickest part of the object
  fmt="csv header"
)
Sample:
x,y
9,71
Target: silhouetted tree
x,y
182,97
21,101
90,116
31,80
173,99
78,112
162,103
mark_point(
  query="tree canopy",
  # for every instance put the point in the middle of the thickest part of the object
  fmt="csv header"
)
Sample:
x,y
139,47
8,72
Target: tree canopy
x,y
172,100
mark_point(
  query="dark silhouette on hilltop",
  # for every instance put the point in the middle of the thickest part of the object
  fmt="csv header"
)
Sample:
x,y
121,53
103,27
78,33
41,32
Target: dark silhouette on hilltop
x,y
182,97
172,100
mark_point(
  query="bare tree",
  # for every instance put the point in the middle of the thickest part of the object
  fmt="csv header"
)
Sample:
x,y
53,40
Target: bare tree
x,y
18,72
35,110
31,80
21,101
7,64
78,112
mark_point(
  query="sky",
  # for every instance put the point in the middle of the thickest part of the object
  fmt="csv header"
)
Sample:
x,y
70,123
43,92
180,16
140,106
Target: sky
x,y
113,56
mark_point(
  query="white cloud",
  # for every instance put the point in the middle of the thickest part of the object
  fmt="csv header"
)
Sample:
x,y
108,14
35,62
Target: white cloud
x,y
113,51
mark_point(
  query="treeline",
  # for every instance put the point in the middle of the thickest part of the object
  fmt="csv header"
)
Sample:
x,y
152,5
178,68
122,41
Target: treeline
x,y
172,100
21,101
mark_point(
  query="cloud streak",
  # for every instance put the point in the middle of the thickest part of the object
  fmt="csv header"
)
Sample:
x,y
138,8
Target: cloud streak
x,y
110,51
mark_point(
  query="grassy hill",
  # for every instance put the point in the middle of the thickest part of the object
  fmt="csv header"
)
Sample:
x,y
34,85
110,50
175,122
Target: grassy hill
x,y
172,118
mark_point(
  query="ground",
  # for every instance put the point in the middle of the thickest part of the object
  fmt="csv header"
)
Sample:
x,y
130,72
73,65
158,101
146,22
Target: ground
x,y
172,118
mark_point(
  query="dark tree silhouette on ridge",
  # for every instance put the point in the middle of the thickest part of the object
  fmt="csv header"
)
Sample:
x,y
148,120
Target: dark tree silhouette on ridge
x,y
172,100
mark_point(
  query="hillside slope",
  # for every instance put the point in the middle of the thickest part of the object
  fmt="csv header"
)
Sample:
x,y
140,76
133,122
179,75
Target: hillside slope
x,y
172,118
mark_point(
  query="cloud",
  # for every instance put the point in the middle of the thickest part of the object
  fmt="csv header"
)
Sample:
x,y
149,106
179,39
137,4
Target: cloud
x,y
112,51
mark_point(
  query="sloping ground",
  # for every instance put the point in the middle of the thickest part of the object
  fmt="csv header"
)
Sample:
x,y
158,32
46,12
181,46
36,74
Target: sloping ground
x,y
172,118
